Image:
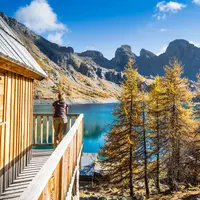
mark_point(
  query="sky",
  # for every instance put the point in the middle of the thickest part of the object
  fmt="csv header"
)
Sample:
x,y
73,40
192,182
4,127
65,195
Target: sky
x,y
105,25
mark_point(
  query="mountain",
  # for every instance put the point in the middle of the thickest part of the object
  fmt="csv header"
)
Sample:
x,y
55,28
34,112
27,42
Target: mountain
x,y
150,64
82,77
185,52
122,56
97,57
89,76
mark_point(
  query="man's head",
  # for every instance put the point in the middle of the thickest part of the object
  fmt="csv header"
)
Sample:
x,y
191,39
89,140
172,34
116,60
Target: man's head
x,y
60,96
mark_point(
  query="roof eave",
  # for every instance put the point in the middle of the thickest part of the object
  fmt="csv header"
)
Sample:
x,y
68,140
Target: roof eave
x,y
11,65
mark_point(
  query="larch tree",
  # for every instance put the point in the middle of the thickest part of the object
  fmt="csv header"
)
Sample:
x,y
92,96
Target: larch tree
x,y
119,151
193,149
156,117
142,149
178,120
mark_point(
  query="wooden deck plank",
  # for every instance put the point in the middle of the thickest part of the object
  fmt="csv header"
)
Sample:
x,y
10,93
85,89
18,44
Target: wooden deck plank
x,y
39,157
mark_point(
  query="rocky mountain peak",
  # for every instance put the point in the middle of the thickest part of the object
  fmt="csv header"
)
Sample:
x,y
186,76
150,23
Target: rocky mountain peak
x,y
180,48
122,56
146,54
91,54
126,47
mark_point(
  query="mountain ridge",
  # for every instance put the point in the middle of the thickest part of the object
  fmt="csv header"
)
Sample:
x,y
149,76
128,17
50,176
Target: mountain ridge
x,y
89,75
147,62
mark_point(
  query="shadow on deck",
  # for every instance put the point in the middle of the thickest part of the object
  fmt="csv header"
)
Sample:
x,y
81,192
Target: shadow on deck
x,y
39,157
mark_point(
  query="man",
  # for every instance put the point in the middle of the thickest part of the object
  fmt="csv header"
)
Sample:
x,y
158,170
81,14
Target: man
x,y
60,109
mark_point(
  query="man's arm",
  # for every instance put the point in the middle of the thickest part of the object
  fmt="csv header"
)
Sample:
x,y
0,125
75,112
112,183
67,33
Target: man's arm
x,y
53,109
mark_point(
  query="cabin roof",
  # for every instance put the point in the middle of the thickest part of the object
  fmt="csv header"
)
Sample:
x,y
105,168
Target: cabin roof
x,y
14,50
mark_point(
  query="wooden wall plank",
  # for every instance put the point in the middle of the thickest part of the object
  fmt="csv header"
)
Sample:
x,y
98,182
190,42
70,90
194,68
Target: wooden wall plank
x,y
15,124
7,133
16,132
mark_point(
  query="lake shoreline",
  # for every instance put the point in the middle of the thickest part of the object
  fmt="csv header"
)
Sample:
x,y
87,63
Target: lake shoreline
x,y
77,101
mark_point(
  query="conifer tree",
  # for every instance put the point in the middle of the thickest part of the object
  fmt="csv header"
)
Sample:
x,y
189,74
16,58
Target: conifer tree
x,y
193,148
178,119
119,150
156,117
142,148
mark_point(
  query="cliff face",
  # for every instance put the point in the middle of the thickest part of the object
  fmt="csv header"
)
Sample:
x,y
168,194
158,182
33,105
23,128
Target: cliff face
x,y
122,56
186,53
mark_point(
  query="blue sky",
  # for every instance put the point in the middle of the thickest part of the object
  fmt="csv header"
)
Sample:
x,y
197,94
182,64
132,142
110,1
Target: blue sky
x,y
104,25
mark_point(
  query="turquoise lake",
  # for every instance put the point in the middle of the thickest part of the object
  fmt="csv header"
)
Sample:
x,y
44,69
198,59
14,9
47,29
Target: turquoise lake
x,y
97,118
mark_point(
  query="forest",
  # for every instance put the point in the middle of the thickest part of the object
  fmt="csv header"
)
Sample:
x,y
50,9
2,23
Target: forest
x,y
154,141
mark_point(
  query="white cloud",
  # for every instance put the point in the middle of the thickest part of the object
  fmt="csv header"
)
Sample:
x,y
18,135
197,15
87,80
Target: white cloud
x,y
56,37
163,49
163,30
163,8
39,17
197,44
170,6
196,2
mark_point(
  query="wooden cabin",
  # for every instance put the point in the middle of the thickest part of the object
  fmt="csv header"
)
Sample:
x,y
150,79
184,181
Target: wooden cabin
x,y
26,172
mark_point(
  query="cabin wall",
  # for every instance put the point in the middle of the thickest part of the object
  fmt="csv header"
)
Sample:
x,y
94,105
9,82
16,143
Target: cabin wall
x,y
16,106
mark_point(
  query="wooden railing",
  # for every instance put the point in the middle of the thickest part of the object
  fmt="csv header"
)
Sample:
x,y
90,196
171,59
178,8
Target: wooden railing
x,y
43,134
57,177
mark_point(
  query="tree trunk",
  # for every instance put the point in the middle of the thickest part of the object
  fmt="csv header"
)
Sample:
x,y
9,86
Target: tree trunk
x,y
132,195
145,158
157,155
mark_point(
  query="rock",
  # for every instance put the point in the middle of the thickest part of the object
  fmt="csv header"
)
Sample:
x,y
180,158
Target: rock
x,y
116,77
98,58
87,70
91,54
185,52
145,54
122,56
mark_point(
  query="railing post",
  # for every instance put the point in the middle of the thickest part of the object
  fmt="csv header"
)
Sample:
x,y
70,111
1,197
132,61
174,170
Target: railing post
x,y
77,183
47,129
60,185
69,123
41,129
53,134
35,129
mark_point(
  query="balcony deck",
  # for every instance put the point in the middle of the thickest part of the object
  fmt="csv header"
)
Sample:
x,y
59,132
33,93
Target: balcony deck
x,y
50,174
39,157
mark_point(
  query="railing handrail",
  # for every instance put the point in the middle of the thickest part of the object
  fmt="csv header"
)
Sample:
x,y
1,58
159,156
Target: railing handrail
x,y
35,188
51,114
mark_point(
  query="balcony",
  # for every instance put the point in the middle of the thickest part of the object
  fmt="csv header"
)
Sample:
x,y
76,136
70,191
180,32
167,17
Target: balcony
x,y
50,174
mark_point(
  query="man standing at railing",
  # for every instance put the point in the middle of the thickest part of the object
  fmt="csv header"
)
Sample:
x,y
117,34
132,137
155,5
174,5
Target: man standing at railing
x,y
60,109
